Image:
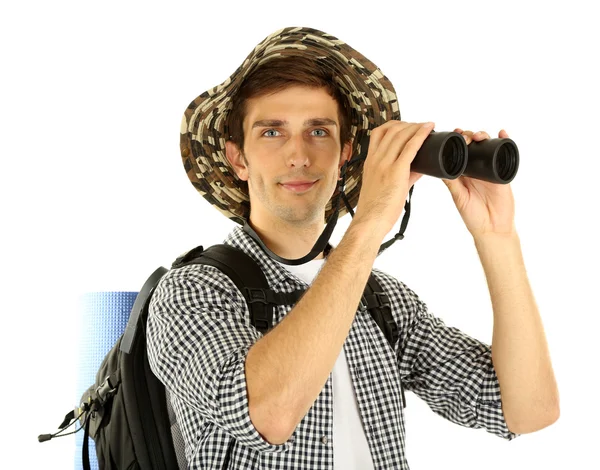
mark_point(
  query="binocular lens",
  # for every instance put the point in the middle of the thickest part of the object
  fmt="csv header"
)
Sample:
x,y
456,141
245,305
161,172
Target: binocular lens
x,y
453,156
506,162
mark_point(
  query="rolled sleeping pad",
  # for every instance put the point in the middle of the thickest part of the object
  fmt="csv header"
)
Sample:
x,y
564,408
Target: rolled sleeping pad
x,y
103,318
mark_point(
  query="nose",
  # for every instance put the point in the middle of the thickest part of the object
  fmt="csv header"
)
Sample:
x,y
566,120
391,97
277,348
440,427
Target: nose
x,y
295,152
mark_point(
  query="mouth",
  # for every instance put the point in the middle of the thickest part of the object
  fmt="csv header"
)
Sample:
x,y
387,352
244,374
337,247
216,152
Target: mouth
x,y
298,187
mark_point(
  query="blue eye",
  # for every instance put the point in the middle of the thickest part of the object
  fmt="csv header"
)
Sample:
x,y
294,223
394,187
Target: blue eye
x,y
270,130
321,130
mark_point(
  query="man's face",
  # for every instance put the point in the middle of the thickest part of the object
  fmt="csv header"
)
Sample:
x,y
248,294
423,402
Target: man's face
x,y
291,136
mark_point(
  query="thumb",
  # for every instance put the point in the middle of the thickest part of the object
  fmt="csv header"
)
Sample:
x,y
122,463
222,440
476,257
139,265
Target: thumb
x,y
449,183
413,178
452,185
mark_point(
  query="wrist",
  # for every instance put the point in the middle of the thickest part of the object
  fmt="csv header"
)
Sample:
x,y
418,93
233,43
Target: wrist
x,y
365,233
492,238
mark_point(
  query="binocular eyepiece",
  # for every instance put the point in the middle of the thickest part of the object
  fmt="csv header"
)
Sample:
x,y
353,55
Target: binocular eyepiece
x,y
446,155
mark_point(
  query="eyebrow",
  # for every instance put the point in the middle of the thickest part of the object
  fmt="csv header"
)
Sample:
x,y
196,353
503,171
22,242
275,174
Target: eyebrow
x,y
280,123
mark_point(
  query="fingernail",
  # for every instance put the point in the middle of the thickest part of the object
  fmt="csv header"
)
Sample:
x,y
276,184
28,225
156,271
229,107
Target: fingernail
x,y
428,125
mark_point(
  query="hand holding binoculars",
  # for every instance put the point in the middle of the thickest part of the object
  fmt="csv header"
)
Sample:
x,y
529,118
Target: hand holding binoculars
x,y
446,155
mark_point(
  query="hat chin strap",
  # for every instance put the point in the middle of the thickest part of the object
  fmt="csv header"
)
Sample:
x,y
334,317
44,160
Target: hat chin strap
x,y
322,243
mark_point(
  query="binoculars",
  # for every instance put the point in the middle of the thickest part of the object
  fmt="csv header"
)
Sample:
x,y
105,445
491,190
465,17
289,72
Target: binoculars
x,y
446,155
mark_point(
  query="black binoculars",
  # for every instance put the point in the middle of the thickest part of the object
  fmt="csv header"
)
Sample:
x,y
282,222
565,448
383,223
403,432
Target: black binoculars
x,y
446,155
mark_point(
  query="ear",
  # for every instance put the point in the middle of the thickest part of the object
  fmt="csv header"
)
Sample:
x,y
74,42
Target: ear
x,y
345,154
236,160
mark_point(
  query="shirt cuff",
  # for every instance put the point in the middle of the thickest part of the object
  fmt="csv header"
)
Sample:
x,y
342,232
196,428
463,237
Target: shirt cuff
x,y
489,407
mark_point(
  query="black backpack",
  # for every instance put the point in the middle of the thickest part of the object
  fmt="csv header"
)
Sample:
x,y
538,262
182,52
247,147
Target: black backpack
x,y
126,411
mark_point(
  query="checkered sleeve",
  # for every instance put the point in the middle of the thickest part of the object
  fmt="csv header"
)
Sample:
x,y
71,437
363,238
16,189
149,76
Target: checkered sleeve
x,y
199,334
448,369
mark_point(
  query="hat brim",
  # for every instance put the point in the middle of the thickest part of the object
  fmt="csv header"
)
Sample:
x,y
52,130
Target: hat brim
x,y
371,96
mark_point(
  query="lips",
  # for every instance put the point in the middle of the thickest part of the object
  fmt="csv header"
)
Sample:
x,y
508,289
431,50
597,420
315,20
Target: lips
x,y
298,187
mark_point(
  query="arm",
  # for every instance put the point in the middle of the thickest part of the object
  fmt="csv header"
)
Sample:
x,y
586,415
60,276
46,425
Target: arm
x,y
451,371
198,335
519,350
287,368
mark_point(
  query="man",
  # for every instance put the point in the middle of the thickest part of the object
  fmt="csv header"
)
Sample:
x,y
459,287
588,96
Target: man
x,y
322,389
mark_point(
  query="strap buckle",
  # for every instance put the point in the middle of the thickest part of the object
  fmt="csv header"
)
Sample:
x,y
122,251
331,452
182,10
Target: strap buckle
x,y
382,299
256,295
261,324
375,300
105,390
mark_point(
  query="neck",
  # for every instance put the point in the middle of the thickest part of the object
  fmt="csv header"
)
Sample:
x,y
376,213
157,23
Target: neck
x,y
287,240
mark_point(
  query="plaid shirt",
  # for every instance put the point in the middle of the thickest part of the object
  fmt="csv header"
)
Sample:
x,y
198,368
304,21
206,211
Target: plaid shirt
x,y
199,334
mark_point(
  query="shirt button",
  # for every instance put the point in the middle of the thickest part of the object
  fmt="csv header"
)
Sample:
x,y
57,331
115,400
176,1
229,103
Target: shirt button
x,y
324,440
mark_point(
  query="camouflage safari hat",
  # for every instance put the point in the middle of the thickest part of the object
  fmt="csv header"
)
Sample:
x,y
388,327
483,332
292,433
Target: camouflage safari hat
x,y
204,130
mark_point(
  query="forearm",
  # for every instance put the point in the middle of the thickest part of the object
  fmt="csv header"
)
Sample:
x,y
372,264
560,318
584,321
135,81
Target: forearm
x,y
287,368
519,349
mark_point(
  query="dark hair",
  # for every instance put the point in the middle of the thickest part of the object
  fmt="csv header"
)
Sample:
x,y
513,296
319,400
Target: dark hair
x,y
274,76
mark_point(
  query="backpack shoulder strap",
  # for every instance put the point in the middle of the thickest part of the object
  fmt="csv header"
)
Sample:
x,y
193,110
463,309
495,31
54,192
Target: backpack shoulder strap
x,y
378,304
249,278
141,302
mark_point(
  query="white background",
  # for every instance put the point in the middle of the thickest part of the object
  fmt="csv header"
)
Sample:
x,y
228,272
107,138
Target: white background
x,y
94,196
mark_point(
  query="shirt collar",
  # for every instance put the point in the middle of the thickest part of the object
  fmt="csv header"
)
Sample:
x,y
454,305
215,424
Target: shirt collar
x,y
275,273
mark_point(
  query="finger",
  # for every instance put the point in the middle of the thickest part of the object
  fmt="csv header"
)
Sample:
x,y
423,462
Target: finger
x,y
379,133
481,135
468,135
411,148
391,146
503,134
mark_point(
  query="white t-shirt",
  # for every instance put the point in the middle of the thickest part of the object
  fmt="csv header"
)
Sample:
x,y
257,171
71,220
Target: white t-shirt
x,y
350,448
